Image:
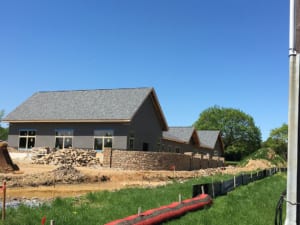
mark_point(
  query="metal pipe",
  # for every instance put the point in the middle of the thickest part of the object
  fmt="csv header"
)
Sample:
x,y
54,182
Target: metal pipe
x,y
293,121
291,209
292,36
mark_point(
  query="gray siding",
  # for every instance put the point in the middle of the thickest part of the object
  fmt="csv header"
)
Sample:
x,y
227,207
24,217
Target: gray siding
x,y
170,146
146,126
83,133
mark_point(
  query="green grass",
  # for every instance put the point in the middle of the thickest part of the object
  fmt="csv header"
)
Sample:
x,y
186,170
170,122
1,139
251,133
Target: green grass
x,y
252,204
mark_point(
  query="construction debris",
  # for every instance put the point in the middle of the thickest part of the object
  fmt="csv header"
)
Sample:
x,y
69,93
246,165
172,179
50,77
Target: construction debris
x,y
69,157
68,175
38,152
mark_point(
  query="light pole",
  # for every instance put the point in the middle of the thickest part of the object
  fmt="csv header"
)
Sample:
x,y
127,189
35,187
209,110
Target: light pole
x,y
292,208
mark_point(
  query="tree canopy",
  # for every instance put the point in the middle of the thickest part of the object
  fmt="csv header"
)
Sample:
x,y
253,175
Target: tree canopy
x,y
239,133
278,140
3,131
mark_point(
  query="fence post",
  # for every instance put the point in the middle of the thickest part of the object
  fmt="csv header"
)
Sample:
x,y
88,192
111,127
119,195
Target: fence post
x,y
52,222
234,182
4,200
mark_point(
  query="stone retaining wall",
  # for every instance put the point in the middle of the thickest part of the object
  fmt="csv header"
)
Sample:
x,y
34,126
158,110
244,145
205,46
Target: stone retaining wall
x,y
139,160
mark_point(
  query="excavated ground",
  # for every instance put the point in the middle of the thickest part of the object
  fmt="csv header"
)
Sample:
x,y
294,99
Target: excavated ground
x,y
49,181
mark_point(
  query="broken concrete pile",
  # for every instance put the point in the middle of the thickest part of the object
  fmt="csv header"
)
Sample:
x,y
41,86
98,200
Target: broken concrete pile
x,y
37,153
71,157
68,175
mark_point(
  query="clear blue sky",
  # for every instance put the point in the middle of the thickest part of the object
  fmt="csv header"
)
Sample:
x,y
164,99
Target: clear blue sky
x,y
196,54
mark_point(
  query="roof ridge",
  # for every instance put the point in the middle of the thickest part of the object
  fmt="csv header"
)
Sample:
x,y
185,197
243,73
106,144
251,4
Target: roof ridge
x,y
181,127
104,89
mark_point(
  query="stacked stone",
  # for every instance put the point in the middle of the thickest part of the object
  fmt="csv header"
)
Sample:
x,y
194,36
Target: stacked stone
x,y
38,152
71,157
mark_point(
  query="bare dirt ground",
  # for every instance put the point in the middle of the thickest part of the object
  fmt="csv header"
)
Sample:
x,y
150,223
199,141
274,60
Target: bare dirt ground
x,y
49,181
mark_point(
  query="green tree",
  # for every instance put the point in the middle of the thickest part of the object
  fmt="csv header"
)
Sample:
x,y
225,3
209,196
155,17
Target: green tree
x,y
3,131
239,133
278,140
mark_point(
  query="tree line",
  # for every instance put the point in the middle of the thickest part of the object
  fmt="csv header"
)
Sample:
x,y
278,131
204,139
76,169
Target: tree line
x,y
3,130
240,135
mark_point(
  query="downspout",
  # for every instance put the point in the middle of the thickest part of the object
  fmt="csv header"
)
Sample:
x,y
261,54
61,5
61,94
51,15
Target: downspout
x,y
293,121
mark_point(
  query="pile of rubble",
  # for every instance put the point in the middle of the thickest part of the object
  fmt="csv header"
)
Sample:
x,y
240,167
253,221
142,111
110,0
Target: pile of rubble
x,y
70,157
68,175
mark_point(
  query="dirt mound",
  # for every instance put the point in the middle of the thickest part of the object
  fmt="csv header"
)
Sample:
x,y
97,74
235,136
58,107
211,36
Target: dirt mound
x,y
258,164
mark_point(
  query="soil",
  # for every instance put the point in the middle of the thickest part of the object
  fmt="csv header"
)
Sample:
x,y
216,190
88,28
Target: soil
x,y
48,181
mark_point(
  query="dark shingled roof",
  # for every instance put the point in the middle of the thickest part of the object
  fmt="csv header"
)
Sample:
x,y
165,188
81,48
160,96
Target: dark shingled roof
x,y
84,105
182,134
208,138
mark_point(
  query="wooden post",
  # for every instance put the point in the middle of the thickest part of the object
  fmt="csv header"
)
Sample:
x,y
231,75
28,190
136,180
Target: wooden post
x,y
4,200
52,222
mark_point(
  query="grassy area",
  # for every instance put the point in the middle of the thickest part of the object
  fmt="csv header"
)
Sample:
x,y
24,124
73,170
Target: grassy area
x,y
252,204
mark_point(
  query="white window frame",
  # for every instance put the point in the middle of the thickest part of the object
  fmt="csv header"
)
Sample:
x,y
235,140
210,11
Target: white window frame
x,y
27,138
108,135
64,136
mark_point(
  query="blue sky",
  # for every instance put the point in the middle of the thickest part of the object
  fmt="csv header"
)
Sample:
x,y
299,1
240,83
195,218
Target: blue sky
x,y
195,53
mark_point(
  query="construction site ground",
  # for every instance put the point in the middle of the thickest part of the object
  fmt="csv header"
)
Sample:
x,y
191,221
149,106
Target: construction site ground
x,y
38,181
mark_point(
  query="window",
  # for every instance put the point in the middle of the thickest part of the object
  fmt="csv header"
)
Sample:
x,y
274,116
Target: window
x,y
145,146
103,139
131,142
27,139
158,145
63,138
177,149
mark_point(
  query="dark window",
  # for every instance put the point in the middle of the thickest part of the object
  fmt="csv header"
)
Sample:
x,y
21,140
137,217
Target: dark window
x,y
59,142
22,142
68,142
98,144
131,143
64,138
31,142
23,133
26,139
107,142
145,146
103,139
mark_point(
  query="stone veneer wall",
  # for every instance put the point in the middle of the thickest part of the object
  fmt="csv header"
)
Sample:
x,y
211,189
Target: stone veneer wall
x,y
139,160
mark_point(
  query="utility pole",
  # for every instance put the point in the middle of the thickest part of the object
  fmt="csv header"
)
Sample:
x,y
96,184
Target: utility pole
x,y
293,179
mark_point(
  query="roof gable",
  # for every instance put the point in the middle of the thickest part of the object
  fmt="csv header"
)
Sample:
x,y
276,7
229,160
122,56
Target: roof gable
x,y
84,105
208,138
181,134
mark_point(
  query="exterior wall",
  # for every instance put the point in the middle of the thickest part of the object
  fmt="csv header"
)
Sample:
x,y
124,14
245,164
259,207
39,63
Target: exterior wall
x,y
219,148
83,136
146,126
206,151
137,160
170,146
